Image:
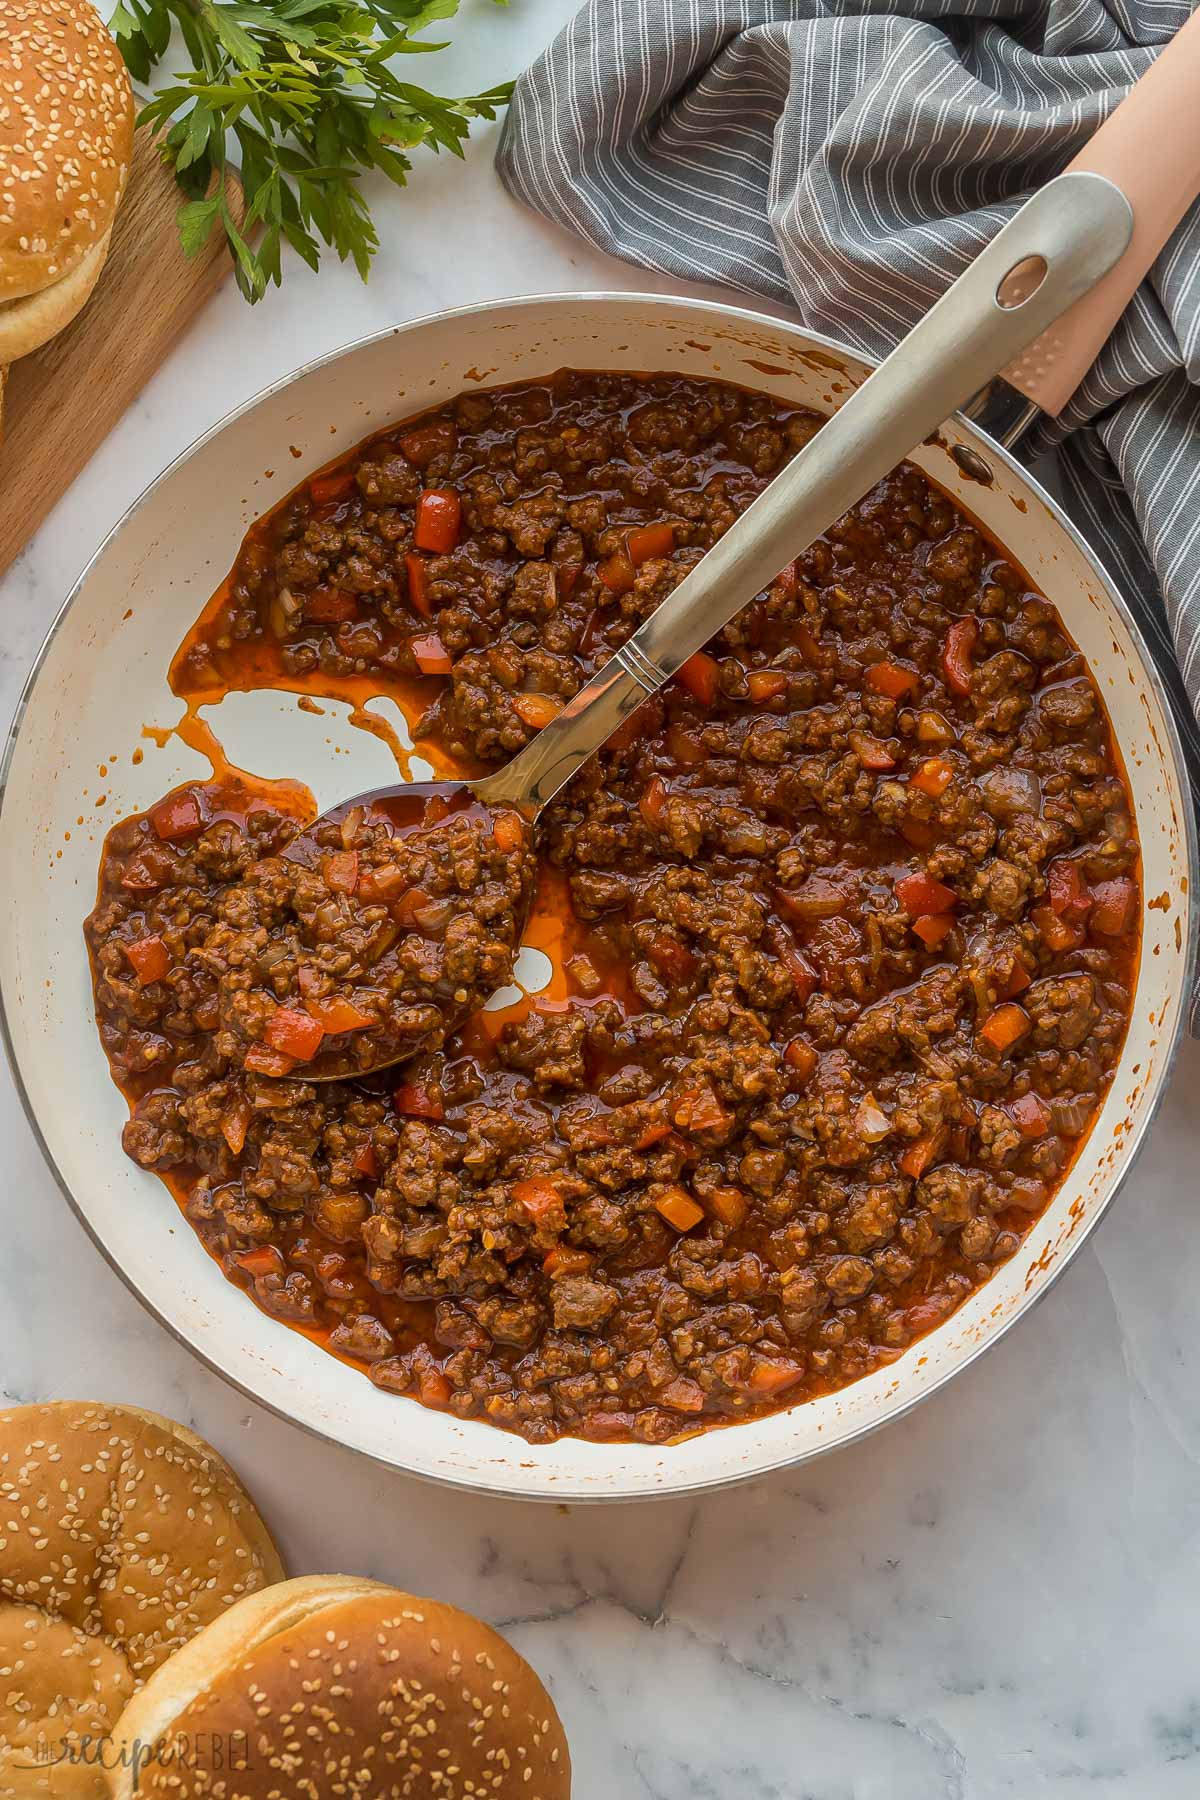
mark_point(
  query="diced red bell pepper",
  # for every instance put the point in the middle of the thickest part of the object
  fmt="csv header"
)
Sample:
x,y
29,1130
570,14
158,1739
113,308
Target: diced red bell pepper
x,y
538,1196
804,977
1112,906
815,655
921,1153
697,1109
653,1132
700,675
424,442
617,572
933,777
919,833
382,883
653,803
263,1259
294,1034
508,832
870,752
1030,1115
1004,1025
336,1014
344,1214
260,1059
891,679
685,748
768,1378
433,1389
679,1209
430,654
409,908
235,1123
682,1395
801,1058
606,1427
961,640
728,1204
178,816
417,575
1068,891
340,870
439,518
671,958
334,486
786,585
565,1260
418,1101
1057,932
921,893
365,1162
536,710
1018,978
816,898
330,606
933,928
923,1315
766,684
649,541
149,958
141,878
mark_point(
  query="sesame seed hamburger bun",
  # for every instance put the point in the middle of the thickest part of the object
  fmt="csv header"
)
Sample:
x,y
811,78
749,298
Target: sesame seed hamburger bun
x,y
66,139
121,1536
337,1688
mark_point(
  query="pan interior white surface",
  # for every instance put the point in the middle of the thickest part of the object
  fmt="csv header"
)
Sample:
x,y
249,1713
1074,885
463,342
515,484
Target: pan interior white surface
x,y
72,771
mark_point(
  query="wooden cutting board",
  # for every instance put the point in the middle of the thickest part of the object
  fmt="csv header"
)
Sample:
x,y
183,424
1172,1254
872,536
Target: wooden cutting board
x,y
61,402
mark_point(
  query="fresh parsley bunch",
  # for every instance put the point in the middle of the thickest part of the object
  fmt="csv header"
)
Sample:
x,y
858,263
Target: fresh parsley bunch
x,y
304,89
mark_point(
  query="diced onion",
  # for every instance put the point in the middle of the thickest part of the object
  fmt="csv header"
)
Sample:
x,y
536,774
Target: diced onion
x,y
871,1123
1009,792
282,610
1071,1116
933,729
434,917
816,898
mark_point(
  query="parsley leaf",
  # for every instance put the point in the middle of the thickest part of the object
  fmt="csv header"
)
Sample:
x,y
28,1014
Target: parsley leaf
x,y
302,91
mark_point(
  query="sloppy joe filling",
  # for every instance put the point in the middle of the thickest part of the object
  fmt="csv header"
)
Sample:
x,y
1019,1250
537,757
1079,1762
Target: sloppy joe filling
x,y
371,937
844,927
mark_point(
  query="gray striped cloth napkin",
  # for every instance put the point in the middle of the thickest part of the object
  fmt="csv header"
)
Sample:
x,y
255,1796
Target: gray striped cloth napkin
x,y
851,160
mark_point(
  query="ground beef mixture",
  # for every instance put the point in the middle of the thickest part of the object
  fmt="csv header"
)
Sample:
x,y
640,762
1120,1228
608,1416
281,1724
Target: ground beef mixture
x,y
844,927
372,936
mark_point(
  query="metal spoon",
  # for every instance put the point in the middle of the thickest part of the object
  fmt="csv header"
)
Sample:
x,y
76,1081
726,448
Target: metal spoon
x,y
1063,240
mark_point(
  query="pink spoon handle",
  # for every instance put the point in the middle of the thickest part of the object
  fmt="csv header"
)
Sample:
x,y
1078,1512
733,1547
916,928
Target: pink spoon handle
x,y
1150,148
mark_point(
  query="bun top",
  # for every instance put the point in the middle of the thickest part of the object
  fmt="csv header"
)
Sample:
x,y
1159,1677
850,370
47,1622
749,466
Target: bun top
x,y
124,1525
335,1686
66,138
121,1536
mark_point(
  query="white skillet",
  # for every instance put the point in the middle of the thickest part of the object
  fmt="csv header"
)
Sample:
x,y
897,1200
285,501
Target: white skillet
x,y
69,770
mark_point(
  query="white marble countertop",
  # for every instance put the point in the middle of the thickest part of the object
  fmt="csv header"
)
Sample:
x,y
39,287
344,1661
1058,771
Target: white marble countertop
x,y
996,1597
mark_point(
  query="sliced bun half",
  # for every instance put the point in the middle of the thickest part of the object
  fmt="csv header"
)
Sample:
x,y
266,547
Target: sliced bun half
x,y
337,1686
66,141
122,1534
27,324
